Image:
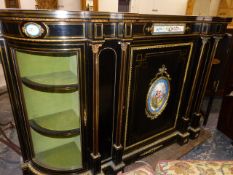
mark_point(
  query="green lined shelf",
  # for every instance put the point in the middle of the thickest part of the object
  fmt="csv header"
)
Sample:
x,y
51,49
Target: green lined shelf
x,y
53,82
67,156
61,124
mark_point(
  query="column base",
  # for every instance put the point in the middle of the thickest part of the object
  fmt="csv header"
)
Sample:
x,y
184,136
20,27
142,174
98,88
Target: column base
x,y
116,168
96,163
194,132
112,168
194,129
196,118
183,138
183,126
117,152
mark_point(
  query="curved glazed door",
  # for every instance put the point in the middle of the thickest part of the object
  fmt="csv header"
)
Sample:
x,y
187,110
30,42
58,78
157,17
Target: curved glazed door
x,y
50,87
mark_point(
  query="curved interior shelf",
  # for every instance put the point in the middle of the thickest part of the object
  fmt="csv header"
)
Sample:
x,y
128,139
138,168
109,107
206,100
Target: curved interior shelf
x,y
67,156
62,124
63,82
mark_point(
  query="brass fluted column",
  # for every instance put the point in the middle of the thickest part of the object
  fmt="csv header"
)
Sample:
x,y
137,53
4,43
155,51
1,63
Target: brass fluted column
x,y
206,79
121,94
195,123
95,102
205,39
185,120
117,146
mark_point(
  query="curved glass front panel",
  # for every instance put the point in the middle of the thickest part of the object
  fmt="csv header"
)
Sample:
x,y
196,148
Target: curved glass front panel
x,y
51,95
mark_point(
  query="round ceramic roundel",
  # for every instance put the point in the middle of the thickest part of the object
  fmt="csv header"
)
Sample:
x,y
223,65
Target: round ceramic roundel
x,y
33,30
157,97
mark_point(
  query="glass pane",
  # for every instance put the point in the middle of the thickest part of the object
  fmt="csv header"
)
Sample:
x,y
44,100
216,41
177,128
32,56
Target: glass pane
x,y
51,95
57,153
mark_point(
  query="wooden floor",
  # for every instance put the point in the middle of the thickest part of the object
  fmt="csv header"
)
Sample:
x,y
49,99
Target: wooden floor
x,y
171,152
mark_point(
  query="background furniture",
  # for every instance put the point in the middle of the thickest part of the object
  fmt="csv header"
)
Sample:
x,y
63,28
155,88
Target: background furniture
x,y
49,4
89,5
226,114
218,78
12,3
158,7
104,89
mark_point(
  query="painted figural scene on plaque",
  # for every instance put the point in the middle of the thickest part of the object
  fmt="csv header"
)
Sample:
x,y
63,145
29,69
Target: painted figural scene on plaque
x,y
158,94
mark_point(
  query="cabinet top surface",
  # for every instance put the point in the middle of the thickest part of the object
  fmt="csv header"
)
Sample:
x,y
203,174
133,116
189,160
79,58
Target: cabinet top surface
x,y
87,15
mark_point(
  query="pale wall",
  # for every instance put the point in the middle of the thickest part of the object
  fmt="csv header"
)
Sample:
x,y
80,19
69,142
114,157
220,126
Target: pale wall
x,y
27,4
2,4
70,5
171,7
108,5
2,79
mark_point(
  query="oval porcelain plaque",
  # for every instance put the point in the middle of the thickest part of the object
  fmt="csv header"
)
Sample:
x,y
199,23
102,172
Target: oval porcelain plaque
x,y
157,97
33,30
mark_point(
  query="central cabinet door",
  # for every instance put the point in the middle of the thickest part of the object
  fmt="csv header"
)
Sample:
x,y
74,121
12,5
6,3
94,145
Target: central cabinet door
x,y
157,75
51,94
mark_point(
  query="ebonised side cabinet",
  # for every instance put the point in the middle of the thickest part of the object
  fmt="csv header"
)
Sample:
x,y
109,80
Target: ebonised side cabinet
x,y
91,91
